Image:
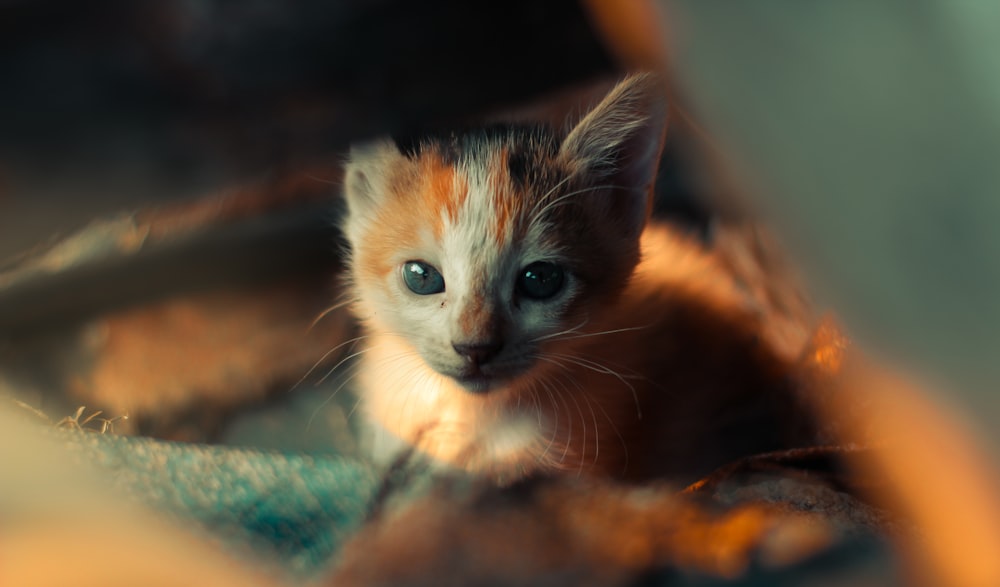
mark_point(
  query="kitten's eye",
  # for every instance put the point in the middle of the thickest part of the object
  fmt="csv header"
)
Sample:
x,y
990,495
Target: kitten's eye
x,y
540,280
422,279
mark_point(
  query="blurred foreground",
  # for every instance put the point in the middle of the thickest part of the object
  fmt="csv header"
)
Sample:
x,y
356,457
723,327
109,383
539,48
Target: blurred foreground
x,y
864,132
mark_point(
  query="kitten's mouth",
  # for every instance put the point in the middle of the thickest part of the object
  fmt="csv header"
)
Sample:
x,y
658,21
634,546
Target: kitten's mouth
x,y
482,379
478,382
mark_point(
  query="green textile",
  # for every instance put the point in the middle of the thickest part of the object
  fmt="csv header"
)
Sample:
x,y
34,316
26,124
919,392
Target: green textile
x,y
295,509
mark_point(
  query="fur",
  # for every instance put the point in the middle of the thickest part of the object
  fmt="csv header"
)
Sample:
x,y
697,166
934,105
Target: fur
x,y
635,369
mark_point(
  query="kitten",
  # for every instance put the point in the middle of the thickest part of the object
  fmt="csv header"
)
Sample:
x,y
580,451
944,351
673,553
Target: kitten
x,y
524,315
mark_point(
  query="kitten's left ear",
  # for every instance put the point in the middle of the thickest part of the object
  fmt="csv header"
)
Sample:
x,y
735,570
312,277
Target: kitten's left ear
x,y
365,175
619,143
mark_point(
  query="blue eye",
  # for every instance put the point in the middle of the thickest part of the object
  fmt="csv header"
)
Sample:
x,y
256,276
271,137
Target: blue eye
x,y
422,279
540,280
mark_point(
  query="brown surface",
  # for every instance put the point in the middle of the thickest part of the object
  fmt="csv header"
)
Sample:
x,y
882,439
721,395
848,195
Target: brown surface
x,y
190,361
176,316
568,532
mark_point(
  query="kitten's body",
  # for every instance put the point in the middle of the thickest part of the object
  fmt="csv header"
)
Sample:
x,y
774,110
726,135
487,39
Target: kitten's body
x,y
548,345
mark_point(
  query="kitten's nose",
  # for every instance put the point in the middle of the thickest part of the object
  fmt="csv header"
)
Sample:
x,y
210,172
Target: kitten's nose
x,y
479,352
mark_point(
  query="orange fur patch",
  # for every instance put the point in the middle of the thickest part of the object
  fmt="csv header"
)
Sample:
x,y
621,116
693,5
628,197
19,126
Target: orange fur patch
x,y
376,259
506,202
476,318
444,189
416,196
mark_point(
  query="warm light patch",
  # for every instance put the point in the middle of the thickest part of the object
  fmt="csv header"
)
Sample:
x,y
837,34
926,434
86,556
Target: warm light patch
x,y
829,346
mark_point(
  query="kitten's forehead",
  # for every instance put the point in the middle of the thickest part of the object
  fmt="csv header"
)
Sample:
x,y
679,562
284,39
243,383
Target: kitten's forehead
x,y
486,200
486,183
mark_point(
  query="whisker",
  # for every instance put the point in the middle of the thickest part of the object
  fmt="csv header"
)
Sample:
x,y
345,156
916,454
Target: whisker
x,y
386,361
423,377
611,422
354,408
604,369
551,191
567,331
603,332
325,356
555,429
538,404
329,310
618,434
341,362
356,371
536,213
583,422
569,432
548,359
330,397
593,415
321,180
548,206
597,429
555,412
626,372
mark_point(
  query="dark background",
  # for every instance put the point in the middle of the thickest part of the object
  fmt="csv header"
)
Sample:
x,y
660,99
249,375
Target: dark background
x,y
113,104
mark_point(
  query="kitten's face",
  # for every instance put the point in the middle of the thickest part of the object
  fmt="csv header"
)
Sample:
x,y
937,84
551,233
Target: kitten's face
x,y
481,249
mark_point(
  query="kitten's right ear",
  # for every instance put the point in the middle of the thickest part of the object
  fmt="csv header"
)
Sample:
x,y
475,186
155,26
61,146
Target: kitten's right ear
x,y
619,143
366,175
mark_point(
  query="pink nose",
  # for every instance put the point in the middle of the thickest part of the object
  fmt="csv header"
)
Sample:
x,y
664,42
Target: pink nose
x,y
479,352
